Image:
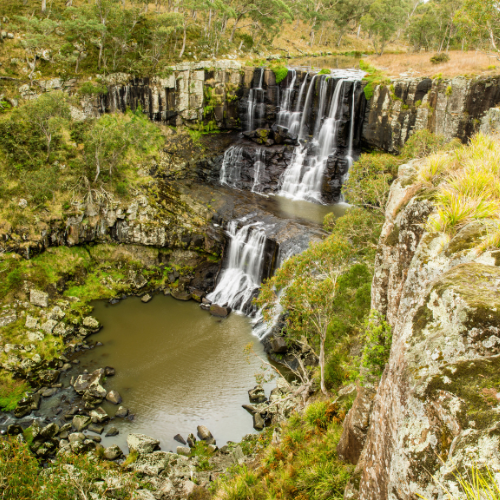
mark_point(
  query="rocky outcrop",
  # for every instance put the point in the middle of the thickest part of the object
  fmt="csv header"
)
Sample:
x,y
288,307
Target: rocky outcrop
x,y
452,107
436,405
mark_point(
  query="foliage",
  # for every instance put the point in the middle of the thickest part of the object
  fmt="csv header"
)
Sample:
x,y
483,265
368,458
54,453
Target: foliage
x,y
440,58
372,78
88,88
465,186
377,347
280,72
11,391
303,465
69,477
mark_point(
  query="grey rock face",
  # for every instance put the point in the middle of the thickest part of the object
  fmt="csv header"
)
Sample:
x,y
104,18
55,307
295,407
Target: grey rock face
x,y
39,298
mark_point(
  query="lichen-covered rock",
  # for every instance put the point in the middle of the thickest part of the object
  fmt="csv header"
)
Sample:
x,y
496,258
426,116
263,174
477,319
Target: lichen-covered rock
x,y
435,406
142,443
39,298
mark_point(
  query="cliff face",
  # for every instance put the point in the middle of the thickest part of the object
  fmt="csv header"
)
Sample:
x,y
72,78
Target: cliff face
x,y
436,407
453,108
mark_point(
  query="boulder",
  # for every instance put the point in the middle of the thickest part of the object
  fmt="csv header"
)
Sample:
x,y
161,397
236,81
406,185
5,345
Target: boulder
x,y
38,298
204,433
96,439
14,430
197,295
76,436
191,441
109,371
142,443
257,395
91,323
98,416
258,421
188,488
112,452
82,382
278,345
237,455
219,311
184,450
112,431
48,377
122,412
114,397
146,298
80,422
98,429
180,295
31,322
49,431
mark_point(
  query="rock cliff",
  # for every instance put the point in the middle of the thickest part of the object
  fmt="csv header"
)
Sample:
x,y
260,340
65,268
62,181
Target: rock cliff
x,y
436,407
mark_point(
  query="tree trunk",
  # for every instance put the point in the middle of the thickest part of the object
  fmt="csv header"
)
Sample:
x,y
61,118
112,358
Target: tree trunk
x,y
183,42
322,365
69,3
236,21
44,5
359,31
340,38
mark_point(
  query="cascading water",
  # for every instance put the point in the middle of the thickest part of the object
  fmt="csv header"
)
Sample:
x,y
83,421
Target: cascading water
x,y
285,113
258,168
255,103
230,172
302,179
296,115
349,156
243,274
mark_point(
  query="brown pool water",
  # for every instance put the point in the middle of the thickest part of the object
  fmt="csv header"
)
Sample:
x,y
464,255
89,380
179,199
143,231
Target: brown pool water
x,y
177,367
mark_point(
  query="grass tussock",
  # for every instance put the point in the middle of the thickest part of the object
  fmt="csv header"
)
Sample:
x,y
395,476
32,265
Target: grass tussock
x,y
303,464
460,63
467,187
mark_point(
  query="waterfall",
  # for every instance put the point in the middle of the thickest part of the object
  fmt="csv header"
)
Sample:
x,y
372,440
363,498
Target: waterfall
x,y
230,172
242,276
303,178
258,167
296,115
285,113
255,103
351,131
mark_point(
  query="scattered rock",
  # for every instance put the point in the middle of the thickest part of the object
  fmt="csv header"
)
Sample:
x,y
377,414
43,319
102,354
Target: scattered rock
x,y
114,397
109,371
96,439
31,322
237,455
188,488
112,452
278,345
257,394
99,416
14,430
258,421
146,298
80,422
47,393
142,443
39,298
98,429
180,295
112,431
122,412
219,311
204,433
191,441
23,203
180,439
91,323
66,367
76,436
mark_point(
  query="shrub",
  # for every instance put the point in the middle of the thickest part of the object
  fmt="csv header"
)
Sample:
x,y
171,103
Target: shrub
x,y
325,72
373,78
88,88
440,58
280,72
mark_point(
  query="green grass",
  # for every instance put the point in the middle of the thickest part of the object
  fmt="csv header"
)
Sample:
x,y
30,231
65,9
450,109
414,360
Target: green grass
x,y
11,391
373,78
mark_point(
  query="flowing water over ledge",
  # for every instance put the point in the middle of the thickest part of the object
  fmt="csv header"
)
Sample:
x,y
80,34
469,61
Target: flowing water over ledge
x,y
177,367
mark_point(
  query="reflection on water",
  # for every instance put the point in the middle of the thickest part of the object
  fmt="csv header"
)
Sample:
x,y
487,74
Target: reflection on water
x,y
177,367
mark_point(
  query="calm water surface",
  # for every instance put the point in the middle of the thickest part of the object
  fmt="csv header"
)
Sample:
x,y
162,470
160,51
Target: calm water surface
x,y
176,367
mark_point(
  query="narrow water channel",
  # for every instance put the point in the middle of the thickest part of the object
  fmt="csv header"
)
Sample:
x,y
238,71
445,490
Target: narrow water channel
x,y
177,367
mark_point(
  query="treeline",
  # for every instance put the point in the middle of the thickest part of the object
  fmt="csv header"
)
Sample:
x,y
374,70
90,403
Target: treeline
x,y
141,37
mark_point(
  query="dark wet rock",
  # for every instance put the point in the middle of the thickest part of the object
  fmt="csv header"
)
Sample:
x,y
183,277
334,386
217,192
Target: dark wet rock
x,y
257,395
76,436
142,443
139,281
82,383
205,434
197,295
47,393
28,404
48,377
91,324
114,301
146,298
180,439
109,371
204,300
219,311
80,422
66,367
114,397
191,440
112,431
279,345
96,439
76,361
14,429
112,452
205,307
250,409
180,295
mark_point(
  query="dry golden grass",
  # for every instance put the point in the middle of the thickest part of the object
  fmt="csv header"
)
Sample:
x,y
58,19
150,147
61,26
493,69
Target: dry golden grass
x,y
460,63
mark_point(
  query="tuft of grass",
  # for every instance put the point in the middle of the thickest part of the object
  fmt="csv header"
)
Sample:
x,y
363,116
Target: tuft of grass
x,y
373,78
280,73
11,391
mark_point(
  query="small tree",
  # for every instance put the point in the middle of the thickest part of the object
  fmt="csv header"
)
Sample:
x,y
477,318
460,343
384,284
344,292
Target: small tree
x,y
48,113
308,286
382,21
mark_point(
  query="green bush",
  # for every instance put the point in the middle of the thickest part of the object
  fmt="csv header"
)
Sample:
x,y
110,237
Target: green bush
x,y
316,415
440,58
280,72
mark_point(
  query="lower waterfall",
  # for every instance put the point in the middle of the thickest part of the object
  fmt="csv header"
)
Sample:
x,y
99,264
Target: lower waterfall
x,y
242,275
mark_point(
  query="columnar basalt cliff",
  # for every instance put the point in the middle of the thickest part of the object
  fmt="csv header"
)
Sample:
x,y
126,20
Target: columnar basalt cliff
x,y
452,107
437,403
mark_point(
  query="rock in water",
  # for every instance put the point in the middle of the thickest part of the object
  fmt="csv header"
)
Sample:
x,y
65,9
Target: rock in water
x,y
191,441
80,422
183,450
258,421
180,439
219,311
146,298
112,431
142,443
257,394
114,397
204,433
122,412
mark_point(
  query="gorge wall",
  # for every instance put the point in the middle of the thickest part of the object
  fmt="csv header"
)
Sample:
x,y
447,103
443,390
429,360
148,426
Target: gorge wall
x,y
436,407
